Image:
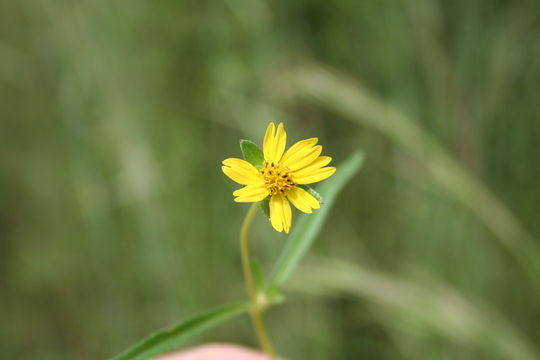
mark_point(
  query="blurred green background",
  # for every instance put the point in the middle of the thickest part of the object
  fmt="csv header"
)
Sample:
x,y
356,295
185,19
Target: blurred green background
x,y
115,219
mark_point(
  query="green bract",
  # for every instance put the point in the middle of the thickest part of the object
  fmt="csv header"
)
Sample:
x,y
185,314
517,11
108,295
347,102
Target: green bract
x,y
312,192
252,153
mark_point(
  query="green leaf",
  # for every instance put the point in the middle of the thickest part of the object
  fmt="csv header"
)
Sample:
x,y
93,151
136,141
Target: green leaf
x,y
306,229
265,207
171,338
252,153
312,192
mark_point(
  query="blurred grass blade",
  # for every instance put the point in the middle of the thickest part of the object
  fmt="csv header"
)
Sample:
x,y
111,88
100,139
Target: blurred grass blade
x,y
356,103
169,339
308,226
432,308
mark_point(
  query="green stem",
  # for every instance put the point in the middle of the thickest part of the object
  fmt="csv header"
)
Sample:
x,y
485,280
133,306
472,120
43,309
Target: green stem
x,y
255,309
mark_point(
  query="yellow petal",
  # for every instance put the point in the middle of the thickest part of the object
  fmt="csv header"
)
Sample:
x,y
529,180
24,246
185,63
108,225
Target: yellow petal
x,y
239,163
280,213
251,193
279,143
274,143
315,176
307,158
287,215
276,213
268,142
315,165
298,150
241,171
303,200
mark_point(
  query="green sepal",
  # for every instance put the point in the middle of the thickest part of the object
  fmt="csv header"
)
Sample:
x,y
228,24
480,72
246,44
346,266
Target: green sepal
x,y
265,207
252,153
312,192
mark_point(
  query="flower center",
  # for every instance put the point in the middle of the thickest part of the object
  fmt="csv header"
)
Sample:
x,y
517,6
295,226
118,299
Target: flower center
x,y
276,178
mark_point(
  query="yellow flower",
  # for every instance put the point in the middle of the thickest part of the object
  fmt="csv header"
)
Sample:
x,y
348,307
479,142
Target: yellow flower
x,y
279,175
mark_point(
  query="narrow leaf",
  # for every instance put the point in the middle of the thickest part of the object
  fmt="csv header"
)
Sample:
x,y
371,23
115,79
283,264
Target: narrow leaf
x,y
312,192
307,228
169,339
252,153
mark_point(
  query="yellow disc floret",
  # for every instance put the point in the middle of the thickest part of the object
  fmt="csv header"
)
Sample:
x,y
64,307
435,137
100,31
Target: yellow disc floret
x,y
276,178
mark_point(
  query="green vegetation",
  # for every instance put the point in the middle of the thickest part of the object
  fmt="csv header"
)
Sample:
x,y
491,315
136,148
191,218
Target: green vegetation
x,y
115,218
